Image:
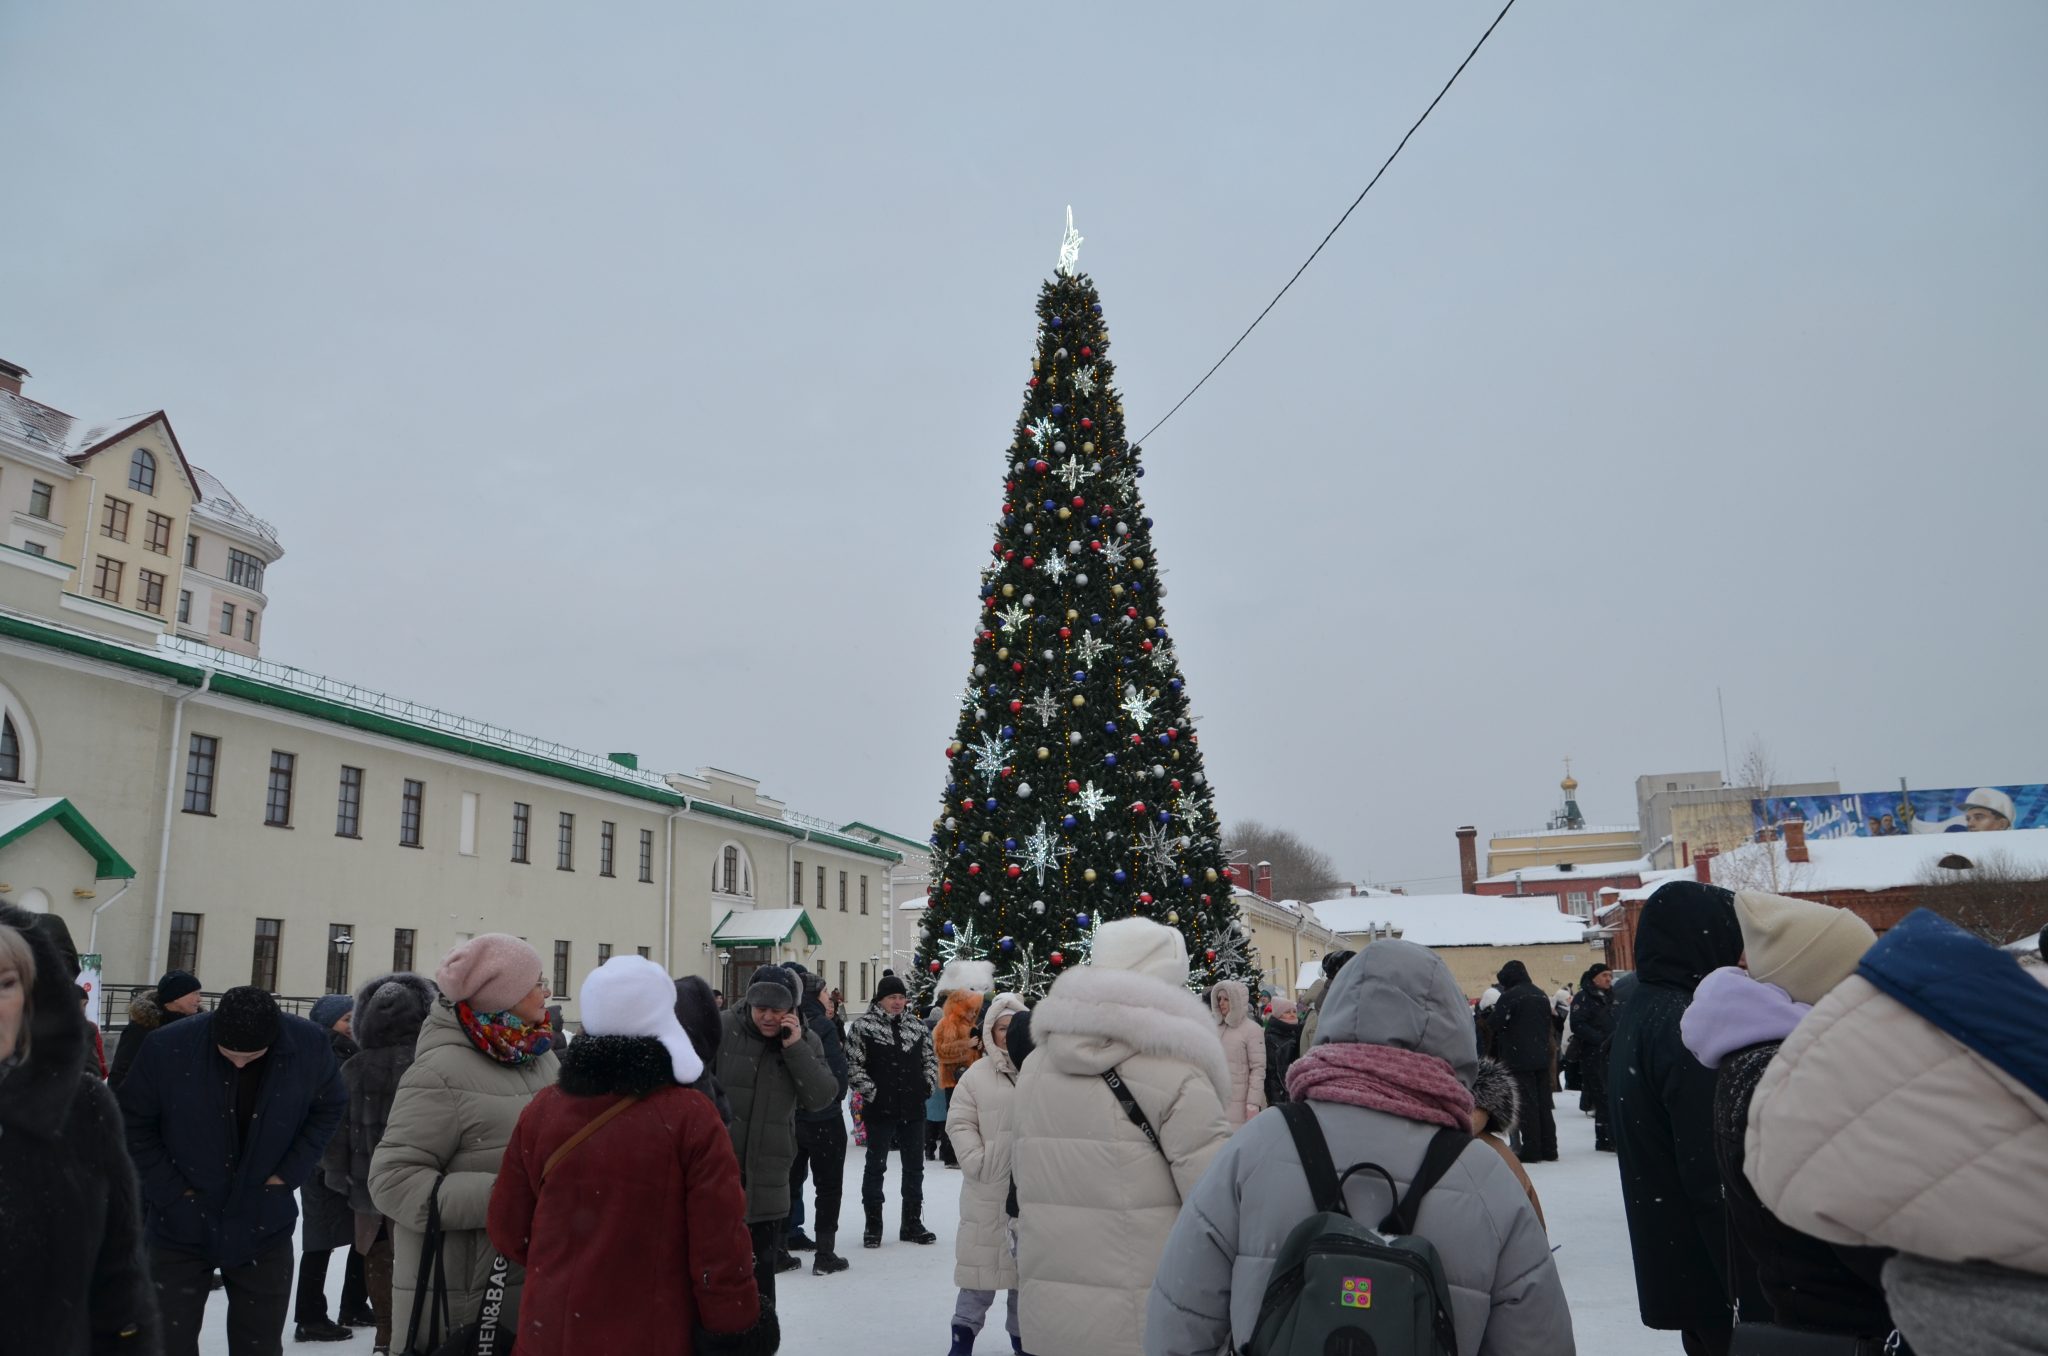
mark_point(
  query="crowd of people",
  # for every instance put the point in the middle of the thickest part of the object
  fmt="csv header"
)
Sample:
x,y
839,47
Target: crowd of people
x,y
1827,1142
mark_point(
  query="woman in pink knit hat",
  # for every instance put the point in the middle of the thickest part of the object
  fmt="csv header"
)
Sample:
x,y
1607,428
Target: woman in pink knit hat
x,y
485,1051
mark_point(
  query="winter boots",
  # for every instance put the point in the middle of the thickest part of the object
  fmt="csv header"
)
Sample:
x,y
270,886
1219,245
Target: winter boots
x,y
827,1261
799,1241
871,1237
913,1230
963,1341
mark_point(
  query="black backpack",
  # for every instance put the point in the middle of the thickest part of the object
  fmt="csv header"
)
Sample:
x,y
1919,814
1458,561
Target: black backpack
x,y
1339,1288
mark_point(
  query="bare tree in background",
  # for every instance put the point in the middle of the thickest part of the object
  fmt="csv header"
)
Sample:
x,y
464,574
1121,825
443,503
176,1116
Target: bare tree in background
x,y
1986,893
1300,870
1764,869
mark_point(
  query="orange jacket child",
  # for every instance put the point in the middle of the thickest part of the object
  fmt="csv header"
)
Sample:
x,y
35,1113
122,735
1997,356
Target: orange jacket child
x,y
953,1037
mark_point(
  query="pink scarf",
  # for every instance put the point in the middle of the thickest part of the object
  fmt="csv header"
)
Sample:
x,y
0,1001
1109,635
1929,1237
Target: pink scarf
x,y
1403,1083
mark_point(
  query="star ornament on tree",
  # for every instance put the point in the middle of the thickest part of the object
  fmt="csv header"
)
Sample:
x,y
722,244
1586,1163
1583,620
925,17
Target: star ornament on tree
x,y
1138,707
1055,566
1115,552
1041,852
962,945
1073,473
1042,432
1161,848
1091,802
1089,649
989,758
1046,707
1013,616
1083,380
1070,249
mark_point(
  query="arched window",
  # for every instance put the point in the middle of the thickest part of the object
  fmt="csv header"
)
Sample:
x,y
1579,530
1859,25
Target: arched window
x,y
18,747
732,872
729,876
142,471
10,751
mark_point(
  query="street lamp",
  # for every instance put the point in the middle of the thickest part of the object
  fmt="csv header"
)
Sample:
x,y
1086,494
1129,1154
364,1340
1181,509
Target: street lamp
x,y
343,942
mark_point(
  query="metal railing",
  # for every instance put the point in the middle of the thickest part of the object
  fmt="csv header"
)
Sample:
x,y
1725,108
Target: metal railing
x,y
116,998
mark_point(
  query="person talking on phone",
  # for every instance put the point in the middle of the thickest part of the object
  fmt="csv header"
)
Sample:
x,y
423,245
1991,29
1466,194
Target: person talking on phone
x,y
770,1066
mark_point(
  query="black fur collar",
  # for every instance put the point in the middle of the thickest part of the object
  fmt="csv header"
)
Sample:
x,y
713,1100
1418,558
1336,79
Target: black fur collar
x,y
628,1066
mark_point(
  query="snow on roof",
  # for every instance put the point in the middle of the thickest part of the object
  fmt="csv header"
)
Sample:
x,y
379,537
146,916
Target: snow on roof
x,y
1879,863
218,502
1456,920
35,424
1653,879
1577,871
15,813
1565,833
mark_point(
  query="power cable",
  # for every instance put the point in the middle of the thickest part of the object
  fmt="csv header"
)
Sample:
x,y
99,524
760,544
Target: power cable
x,y
1340,223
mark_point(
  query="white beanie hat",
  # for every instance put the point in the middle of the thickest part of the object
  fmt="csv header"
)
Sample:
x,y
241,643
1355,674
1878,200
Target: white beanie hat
x,y
1804,948
1992,799
1142,946
632,996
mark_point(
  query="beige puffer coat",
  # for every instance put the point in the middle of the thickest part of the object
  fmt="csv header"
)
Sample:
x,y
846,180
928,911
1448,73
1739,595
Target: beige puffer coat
x,y
1095,1199
980,1122
1873,1127
453,1114
1244,1053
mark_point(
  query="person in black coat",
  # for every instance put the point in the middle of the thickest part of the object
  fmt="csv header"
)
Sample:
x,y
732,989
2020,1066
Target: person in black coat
x,y
1592,1037
329,1222
1283,1045
820,1140
227,1114
698,1008
1524,1044
175,995
73,1276
1662,1110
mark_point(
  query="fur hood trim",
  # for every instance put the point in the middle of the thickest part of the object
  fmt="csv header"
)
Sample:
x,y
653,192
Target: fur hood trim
x,y
616,1066
391,1009
1001,1006
1240,1002
1106,1016
144,1011
1495,1093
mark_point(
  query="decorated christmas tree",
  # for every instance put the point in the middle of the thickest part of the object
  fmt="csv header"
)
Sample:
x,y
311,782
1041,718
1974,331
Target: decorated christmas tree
x,y
1074,786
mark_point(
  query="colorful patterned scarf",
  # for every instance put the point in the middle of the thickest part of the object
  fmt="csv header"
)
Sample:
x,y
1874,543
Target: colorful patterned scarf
x,y
504,1036
1404,1083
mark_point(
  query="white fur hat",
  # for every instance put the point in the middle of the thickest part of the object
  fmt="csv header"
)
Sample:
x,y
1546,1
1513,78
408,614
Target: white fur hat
x,y
1143,946
1992,799
975,976
632,996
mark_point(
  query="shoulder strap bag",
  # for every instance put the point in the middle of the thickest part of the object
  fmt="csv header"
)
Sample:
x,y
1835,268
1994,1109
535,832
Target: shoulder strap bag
x,y
1132,1109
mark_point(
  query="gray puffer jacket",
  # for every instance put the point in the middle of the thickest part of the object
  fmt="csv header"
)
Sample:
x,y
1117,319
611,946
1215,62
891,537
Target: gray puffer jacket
x,y
390,1010
1506,1299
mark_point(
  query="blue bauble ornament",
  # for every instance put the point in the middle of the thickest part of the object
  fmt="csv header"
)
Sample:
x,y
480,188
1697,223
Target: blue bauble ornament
x,y
1097,308
1095,618
1109,727
1166,739
1165,817
1050,506
989,805
1146,521
1119,876
1009,732
1141,471
947,929
1058,410
1008,943
1187,882
1137,586
1069,822
1057,322
1095,520
1109,760
1080,920
1080,675
1174,684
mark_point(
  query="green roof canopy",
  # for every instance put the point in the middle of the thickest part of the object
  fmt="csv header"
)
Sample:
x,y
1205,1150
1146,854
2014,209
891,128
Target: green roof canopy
x,y
24,817
763,927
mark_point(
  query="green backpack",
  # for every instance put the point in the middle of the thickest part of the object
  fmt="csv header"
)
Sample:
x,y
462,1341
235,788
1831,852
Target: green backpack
x,y
1341,1289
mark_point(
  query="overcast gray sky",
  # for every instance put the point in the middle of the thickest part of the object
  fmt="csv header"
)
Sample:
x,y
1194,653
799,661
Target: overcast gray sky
x,y
640,375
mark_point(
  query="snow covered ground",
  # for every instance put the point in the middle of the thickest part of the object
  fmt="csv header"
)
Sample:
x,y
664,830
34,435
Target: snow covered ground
x,y
899,1300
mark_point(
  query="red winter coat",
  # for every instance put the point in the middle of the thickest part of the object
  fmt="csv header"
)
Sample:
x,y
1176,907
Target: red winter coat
x,y
639,1235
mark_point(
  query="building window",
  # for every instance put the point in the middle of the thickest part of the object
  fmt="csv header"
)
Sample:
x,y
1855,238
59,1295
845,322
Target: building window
x,y
200,763
410,811
561,967
842,979
604,952
729,866
646,952
401,949
263,967
185,605
106,580
159,538
465,830
149,591
863,894
340,944
565,842
185,942
114,518
142,479
522,819
39,493
277,807
821,887
227,619
607,834
348,804
647,856
842,892
797,884
245,569
249,624
191,549
863,981
10,751
35,548
1580,903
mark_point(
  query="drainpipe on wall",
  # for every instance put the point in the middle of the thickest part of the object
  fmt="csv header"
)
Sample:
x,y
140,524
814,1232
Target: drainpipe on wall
x,y
163,847
93,938
668,890
92,494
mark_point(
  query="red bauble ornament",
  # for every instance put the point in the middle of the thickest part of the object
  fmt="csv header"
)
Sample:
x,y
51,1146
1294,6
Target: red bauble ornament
x,y
951,751
1175,783
1073,787
1033,383
967,804
1138,807
1137,739
1205,899
1210,954
936,967
1029,562
1008,509
1095,546
1066,633
1144,645
1172,733
1015,706
974,868
1009,555
1230,873
1017,666
1087,423
1130,612
1015,871
1087,352
1057,959
1079,502
1145,898
947,888
1041,466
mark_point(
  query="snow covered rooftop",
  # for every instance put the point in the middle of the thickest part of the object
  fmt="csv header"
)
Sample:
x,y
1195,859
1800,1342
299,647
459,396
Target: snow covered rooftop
x,y
1456,920
1879,863
1577,871
218,503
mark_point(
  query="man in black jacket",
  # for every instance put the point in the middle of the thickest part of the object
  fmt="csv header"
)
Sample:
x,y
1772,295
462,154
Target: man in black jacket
x,y
1592,1035
227,1114
1524,1042
891,1063
175,995
820,1139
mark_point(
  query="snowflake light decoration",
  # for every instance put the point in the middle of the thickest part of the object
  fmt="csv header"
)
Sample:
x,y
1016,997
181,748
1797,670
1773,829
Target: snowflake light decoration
x,y
1162,657
1114,552
1188,807
1126,486
1024,975
989,758
1161,848
1041,852
1138,707
1073,473
1055,566
1013,616
1091,802
1041,432
1045,706
962,945
1089,649
970,698
1083,380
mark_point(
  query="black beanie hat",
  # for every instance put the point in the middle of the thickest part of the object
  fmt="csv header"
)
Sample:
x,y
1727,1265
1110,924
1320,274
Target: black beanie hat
x,y
246,1020
175,985
890,986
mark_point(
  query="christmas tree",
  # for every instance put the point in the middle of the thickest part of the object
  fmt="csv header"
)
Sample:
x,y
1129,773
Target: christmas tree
x,y
1074,785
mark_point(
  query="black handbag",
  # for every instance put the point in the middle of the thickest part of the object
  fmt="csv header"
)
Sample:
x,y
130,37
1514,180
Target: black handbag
x,y
484,1336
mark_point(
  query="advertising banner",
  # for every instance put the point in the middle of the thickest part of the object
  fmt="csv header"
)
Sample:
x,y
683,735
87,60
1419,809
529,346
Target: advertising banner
x,y
89,980
1881,814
